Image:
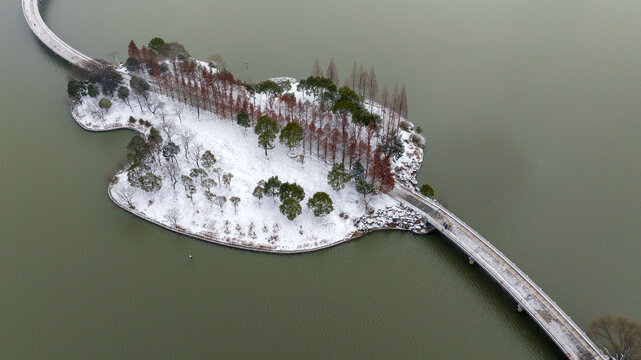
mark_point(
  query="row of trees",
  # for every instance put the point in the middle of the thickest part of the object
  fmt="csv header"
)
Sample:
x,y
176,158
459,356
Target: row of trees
x,y
325,122
291,195
366,86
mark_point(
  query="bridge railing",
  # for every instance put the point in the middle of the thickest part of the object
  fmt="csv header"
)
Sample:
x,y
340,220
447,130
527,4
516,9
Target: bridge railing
x,y
517,270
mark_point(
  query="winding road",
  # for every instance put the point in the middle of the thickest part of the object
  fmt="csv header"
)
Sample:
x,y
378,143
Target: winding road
x,y
557,324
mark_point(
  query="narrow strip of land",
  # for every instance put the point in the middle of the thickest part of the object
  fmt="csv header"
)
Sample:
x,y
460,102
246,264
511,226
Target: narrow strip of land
x,y
530,297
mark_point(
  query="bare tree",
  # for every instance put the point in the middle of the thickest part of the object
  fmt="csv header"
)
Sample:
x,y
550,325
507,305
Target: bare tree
x,y
332,73
127,195
352,80
186,139
362,81
155,106
196,152
385,104
173,215
394,101
620,337
217,62
403,102
372,86
178,110
316,71
168,128
173,171
98,112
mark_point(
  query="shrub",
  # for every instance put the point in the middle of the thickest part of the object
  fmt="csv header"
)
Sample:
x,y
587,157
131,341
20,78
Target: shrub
x,y
405,125
417,140
104,103
132,120
427,190
92,90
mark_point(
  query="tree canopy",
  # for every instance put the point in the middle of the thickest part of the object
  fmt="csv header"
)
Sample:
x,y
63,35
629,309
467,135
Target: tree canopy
x,y
139,85
243,120
266,123
427,190
291,135
290,208
338,176
291,190
156,44
272,186
76,89
320,204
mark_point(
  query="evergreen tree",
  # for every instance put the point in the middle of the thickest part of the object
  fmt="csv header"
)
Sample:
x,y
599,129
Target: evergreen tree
x,y
76,89
208,159
154,140
141,177
92,90
290,208
104,104
272,186
170,151
243,120
266,128
156,44
291,135
358,171
366,189
188,184
392,145
138,150
266,141
198,174
320,204
338,176
291,190
259,190
123,94
264,124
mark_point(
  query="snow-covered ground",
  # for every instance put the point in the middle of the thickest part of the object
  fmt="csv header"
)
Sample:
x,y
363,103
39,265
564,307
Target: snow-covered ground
x,y
254,224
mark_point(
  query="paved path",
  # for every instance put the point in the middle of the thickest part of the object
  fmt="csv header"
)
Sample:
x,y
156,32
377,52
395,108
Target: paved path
x,y
529,297
54,43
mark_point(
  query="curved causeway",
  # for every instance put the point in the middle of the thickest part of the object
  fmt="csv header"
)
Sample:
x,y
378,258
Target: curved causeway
x,y
557,324
31,11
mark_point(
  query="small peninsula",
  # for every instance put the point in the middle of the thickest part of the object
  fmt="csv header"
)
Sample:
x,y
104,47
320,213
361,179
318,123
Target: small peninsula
x,y
282,166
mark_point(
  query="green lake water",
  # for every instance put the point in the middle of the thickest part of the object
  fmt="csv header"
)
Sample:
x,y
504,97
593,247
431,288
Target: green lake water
x,y
532,114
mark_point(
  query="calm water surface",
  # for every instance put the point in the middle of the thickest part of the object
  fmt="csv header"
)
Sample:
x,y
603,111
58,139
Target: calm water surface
x,y
532,113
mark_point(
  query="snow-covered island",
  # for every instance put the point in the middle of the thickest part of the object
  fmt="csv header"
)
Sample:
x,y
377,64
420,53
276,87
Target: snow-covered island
x,y
281,166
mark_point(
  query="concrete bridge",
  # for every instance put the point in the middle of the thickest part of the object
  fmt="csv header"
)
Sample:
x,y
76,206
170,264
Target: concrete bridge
x,y
31,11
529,297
